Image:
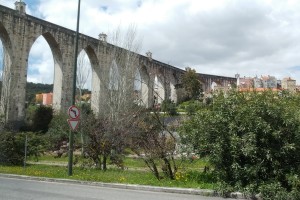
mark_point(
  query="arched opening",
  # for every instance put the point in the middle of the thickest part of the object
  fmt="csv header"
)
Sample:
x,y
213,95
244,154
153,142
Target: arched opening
x,y
159,91
213,85
44,75
94,81
137,85
173,92
142,81
40,74
84,80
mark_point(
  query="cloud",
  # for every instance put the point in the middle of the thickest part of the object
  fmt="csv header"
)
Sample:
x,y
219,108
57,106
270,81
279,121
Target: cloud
x,y
222,37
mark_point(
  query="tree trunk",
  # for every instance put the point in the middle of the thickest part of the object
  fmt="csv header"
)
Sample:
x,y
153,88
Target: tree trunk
x,y
168,168
104,164
152,166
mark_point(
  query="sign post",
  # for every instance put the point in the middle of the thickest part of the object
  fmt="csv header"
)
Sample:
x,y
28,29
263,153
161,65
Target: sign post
x,y
71,135
74,114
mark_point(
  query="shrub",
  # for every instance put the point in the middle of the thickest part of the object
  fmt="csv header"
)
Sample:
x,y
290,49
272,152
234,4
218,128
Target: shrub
x,y
169,107
41,119
251,139
58,131
12,147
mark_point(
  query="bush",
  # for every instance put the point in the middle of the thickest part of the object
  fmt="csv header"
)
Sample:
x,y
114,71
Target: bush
x,y
41,119
12,147
58,132
169,107
251,139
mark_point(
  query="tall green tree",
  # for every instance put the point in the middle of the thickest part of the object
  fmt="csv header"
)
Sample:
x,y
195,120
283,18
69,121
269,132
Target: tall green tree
x,y
191,83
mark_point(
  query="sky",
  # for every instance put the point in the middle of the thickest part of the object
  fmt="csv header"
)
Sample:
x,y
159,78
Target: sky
x,y
219,37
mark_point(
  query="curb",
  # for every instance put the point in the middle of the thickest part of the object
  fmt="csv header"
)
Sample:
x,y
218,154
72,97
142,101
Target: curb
x,y
202,192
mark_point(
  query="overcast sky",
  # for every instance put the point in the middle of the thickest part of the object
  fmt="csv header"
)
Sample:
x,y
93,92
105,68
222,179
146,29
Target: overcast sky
x,y
221,37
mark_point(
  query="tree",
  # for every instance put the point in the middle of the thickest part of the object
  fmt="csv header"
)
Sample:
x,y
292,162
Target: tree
x,y
108,132
155,143
191,83
58,132
123,122
252,139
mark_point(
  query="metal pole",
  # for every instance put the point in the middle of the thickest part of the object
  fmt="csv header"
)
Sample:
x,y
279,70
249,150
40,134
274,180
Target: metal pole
x,y
25,156
71,135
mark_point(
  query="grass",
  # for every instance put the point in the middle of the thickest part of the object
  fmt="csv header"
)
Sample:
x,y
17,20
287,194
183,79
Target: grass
x,y
49,158
189,179
189,176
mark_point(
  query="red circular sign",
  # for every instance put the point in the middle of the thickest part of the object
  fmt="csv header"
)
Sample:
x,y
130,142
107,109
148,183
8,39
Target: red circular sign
x,y
73,112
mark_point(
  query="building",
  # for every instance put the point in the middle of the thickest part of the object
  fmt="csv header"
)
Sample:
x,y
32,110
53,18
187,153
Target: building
x,y
246,82
264,82
39,98
289,84
269,82
44,99
257,82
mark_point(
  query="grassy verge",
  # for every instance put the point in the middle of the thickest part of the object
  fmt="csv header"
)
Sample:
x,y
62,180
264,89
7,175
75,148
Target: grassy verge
x,y
189,179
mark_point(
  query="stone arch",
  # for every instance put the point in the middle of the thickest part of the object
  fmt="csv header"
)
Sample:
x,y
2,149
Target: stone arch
x,y
58,68
5,39
213,85
159,88
146,87
96,83
173,93
6,71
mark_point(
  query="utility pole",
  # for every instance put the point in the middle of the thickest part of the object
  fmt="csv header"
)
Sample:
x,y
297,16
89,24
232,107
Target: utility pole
x,y
71,134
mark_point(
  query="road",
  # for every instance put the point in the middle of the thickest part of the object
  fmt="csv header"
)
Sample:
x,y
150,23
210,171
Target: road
x,y
19,189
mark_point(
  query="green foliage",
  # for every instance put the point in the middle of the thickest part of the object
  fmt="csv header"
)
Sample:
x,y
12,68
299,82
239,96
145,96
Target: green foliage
x,y
169,107
250,138
85,108
58,131
191,83
41,119
12,147
191,107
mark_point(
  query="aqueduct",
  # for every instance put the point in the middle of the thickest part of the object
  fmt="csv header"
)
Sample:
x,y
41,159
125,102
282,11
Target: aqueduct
x,y
18,32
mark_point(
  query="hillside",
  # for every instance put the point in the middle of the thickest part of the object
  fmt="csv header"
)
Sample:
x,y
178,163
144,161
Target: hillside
x,y
36,88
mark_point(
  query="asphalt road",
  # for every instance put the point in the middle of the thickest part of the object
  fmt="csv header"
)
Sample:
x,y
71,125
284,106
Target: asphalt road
x,y
19,189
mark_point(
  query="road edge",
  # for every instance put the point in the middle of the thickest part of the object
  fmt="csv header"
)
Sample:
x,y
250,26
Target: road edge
x,y
201,192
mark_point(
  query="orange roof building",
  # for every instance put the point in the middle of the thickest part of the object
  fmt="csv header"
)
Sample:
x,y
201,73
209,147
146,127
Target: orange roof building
x,y
44,99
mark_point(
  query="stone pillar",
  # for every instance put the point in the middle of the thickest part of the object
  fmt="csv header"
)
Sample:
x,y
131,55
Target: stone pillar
x,y
173,92
13,100
161,88
150,97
